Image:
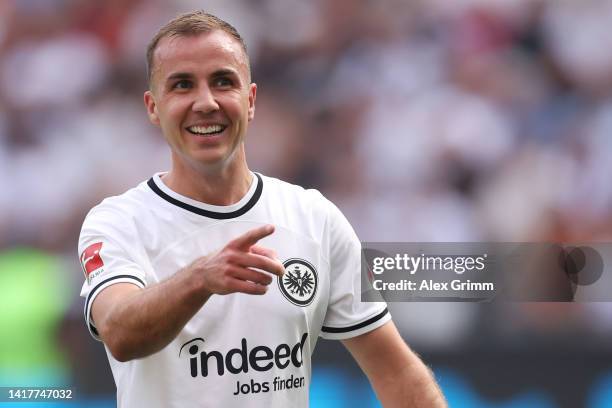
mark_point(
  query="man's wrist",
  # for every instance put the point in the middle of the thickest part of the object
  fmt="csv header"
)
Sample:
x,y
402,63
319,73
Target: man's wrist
x,y
197,284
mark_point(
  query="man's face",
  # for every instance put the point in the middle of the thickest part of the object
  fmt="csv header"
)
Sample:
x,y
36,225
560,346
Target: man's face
x,y
201,97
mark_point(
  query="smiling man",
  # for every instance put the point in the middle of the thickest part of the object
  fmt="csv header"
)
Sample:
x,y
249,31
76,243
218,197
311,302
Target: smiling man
x,y
210,284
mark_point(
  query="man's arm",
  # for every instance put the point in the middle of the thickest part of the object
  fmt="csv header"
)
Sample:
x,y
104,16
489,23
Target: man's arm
x,y
135,322
398,376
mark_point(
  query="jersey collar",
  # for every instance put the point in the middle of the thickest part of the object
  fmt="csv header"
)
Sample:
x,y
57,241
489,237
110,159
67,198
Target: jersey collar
x,y
207,210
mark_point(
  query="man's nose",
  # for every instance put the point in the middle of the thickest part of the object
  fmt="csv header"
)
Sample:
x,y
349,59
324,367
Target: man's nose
x,y
205,101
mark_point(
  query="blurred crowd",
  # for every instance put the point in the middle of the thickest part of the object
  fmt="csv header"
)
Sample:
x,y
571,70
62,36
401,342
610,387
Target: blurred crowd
x,y
424,120
466,120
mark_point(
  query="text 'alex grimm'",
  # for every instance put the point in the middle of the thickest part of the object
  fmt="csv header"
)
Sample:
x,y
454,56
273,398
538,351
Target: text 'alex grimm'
x,y
388,272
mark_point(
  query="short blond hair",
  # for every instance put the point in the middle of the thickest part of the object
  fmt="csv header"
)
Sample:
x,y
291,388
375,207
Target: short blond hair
x,y
192,23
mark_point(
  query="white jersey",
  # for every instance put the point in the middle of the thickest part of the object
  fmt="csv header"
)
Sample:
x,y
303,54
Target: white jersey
x,y
238,350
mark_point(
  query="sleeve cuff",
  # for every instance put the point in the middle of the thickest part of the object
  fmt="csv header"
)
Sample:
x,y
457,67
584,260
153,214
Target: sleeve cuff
x,y
341,333
97,289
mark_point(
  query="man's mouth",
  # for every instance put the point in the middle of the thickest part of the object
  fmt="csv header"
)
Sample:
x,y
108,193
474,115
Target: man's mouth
x,y
206,130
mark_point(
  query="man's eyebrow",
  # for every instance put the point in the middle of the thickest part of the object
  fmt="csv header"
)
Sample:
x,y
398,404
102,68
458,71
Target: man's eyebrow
x,y
179,75
224,72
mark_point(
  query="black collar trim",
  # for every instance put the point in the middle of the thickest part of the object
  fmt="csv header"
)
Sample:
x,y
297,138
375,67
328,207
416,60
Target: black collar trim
x,y
207,213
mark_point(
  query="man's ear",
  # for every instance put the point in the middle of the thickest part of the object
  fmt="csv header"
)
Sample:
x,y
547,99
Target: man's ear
x,y
252,96
151,105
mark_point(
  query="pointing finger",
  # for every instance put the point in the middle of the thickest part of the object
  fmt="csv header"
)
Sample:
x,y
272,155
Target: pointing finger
x,y
250,238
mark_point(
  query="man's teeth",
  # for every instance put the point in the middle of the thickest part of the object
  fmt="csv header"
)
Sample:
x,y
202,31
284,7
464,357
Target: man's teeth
x,y
206,130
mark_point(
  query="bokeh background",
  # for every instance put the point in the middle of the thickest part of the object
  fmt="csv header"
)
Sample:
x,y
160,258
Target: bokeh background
x,y
430,120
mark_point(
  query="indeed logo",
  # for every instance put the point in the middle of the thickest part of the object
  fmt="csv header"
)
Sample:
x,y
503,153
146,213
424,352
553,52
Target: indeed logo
x,y
239,360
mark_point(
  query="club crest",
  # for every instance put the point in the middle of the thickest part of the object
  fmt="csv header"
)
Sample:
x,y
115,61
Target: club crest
x,y
299,283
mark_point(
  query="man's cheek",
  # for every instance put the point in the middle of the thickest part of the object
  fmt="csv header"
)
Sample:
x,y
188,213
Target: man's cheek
x,y
172,135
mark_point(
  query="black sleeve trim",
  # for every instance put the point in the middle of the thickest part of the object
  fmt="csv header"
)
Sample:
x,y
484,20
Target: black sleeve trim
x,y
95,289
110,279
365,323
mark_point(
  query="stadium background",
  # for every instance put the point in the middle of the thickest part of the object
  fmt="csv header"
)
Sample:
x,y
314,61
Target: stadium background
x,y
429,120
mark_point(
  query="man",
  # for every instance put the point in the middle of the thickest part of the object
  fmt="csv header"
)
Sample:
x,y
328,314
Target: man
x,y
210,284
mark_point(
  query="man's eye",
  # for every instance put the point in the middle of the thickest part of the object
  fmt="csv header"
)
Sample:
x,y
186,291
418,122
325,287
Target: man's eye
x,y
223,82
182,84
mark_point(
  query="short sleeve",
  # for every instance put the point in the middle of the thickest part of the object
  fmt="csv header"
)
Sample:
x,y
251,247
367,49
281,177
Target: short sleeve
x,y
109,253
347,316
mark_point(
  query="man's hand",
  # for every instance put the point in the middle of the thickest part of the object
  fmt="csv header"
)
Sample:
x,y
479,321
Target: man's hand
x,y
136,322
233,268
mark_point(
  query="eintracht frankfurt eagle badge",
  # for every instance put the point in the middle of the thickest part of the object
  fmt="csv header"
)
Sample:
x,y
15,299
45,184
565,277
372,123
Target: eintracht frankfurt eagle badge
x,y
299,283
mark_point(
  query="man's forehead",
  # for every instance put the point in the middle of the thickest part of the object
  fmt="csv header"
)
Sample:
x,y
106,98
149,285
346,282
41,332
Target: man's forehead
x,y
215,47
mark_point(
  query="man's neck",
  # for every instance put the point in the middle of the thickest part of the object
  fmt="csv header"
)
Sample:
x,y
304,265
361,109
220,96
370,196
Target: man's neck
x,y
224,186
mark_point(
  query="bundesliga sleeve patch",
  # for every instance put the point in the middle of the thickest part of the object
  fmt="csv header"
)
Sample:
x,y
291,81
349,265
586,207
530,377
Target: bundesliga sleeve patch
x,y
91,259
